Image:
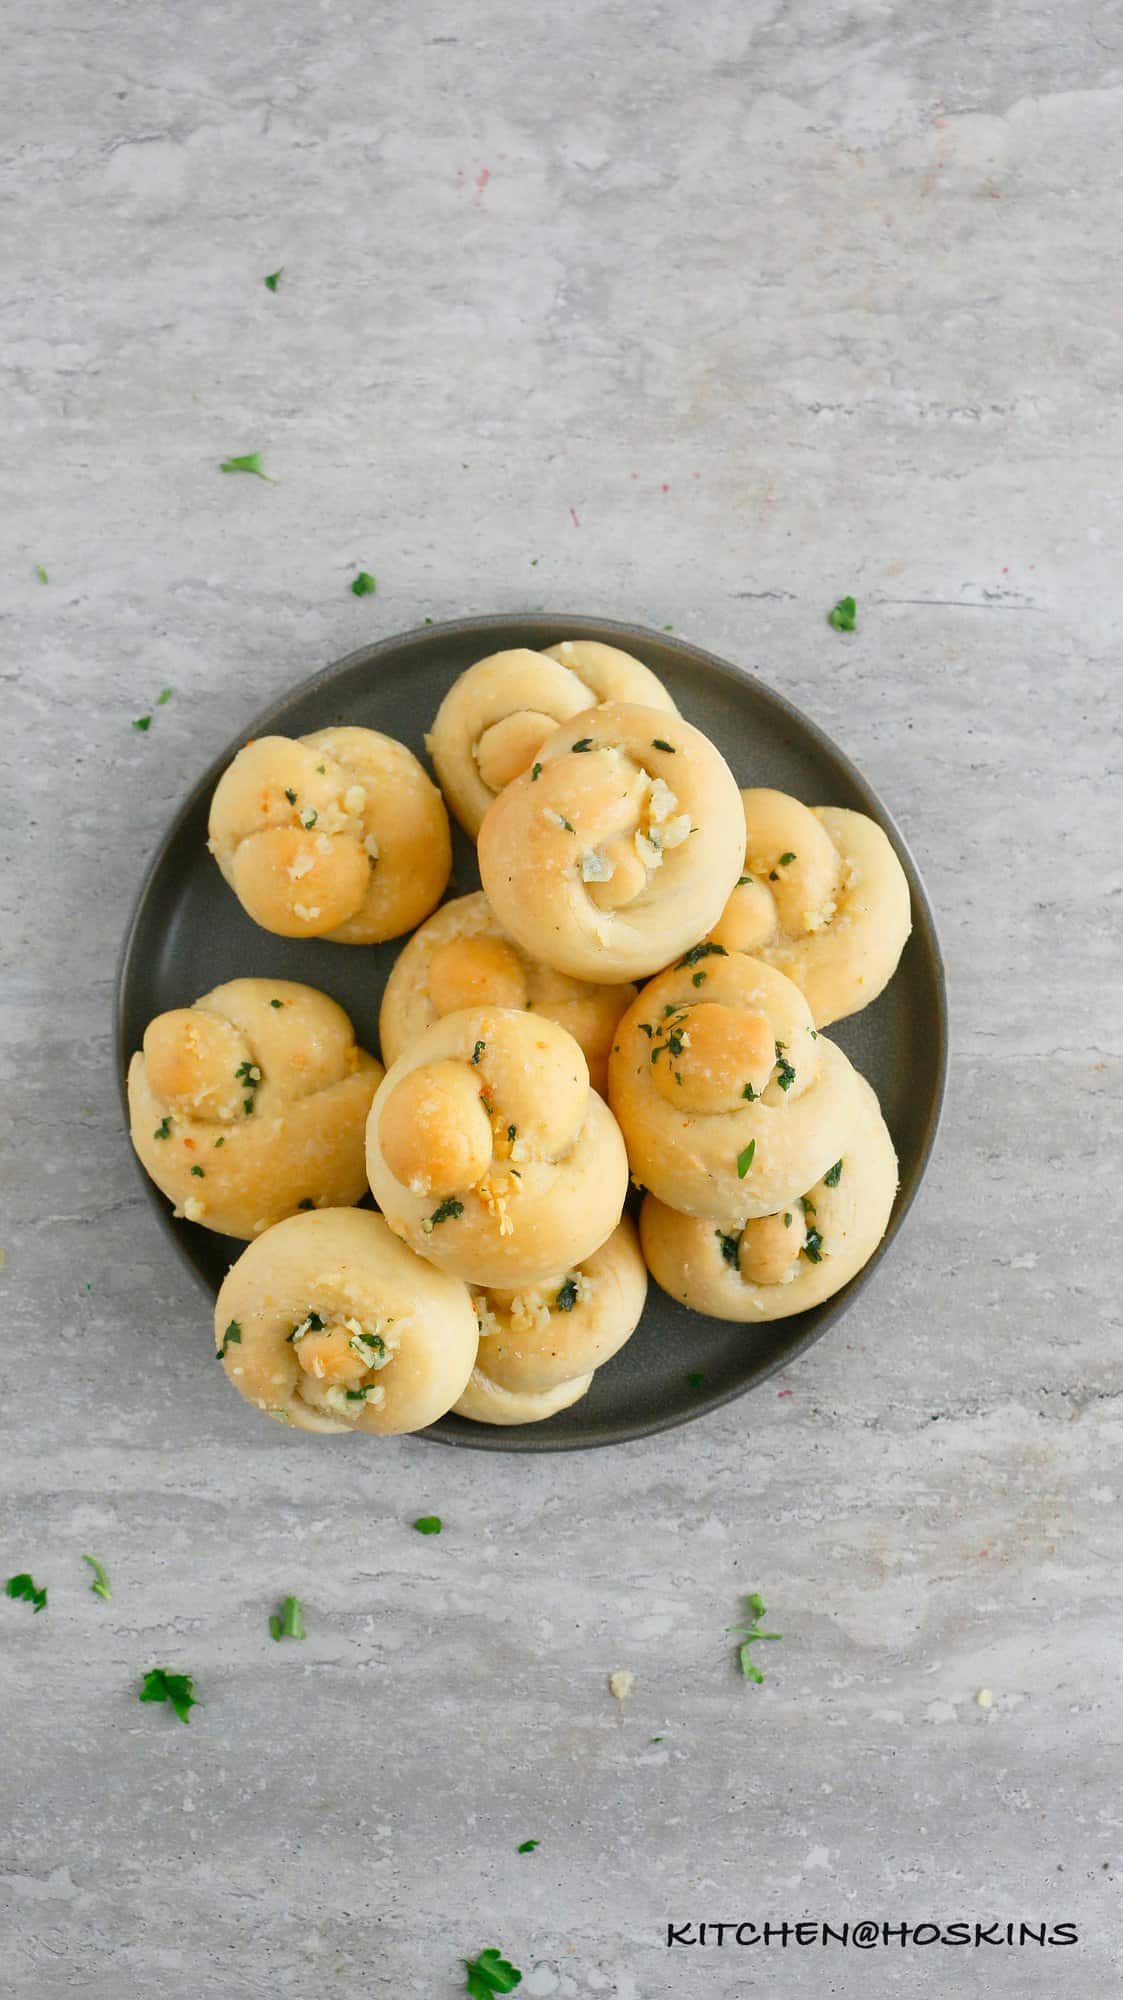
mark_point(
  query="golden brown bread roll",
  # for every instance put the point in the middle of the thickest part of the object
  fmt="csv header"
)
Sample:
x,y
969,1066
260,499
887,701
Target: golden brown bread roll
x,y
618,848
251,1104
782,1263
823,897
495,717
488,1152
546,1339
339,835
730,1101
461,957
329,1323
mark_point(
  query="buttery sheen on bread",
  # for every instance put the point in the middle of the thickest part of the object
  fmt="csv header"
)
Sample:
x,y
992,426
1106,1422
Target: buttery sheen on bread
x,y
496,716
251,1104
488,1152
823,897
329,1323
783,1263
618,848
339,835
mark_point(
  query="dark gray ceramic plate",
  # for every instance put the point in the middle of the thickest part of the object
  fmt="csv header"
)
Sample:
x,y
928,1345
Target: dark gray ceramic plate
x,y
188,933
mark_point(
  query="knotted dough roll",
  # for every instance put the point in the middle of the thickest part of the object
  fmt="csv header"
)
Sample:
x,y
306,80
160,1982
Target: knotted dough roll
x,y
730,1102
782,1263
488,1152
823,897
618,848
328,1323
338,835
251,1104
540,1346
495,718
461,957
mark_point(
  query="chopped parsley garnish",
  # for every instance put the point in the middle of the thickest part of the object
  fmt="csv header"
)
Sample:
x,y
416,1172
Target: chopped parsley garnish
x,y
41,573
742,879
446,1212
511,1131
289,1622
360,1395
142,722
749,1094
231,1338
163,1129
657,743
179,1689
22,1586
311,1323
478,1051
490,1974
674,1044
696,1381
306,1204
773,876
730,1246
566,823
534,773
785,858
274,279
698,979
249,1076
276,1003
808,1207
198,1173
754,1606
787,1218
813,1247
290,796
249,462
308,817
702,951
833,1175
100,1584
672,1009
428,1524
844,615
586,743
565,1298
786,1076
646,1028
526,1846
364,584
220,1142
745,1159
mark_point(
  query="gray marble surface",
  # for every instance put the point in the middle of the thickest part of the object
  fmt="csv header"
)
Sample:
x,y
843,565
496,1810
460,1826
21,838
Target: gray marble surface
x,y
699,316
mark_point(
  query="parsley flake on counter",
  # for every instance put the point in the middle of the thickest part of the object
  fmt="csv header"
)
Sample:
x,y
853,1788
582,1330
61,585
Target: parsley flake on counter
x,y
534,773
730,1247
565,1298
786,1077
698,951
446,1212
364,584
428,1524
231,1338
24,1587
249,462
100,1584
164,695
745,1159
488,1974
288,1623
179,1689
274,279
41,573
844,615
657,742
813,1247
527,1846
478,1051
163,1129
142,722
754,1606
833,1175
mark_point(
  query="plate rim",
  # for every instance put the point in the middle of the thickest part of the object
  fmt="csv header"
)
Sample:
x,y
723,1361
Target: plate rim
x,y
536,1437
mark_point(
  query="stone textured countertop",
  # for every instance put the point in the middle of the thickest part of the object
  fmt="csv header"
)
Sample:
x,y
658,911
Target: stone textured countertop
x,y
699,316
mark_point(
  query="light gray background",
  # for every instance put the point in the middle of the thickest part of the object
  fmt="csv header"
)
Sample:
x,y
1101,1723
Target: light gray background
x,y
780,301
